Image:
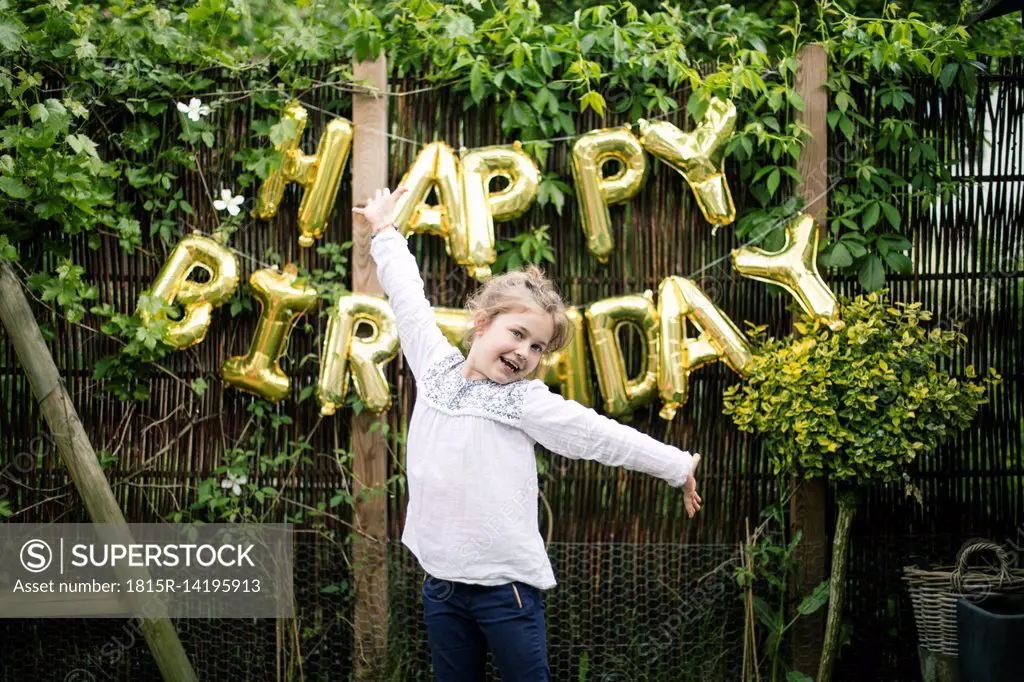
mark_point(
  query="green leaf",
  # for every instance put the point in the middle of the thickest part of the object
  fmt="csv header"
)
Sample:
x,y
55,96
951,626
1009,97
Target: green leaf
x,y
522,114
697,105
549,59
947,75
543,100
871,274
459,26
815,600
846,125
853,245
205,10
567,124
588,42
8,253
871,215
892,241
10,36
761,172
899,262
796,100
476,83
131,233
13,188
773,181
550,192
891,214
765,614
199,386
55,107
840,256
843,101
76,108
38,112
84,49
793,173
82,145
593,100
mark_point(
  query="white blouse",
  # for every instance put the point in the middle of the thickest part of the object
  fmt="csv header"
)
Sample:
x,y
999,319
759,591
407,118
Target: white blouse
x,y
471,469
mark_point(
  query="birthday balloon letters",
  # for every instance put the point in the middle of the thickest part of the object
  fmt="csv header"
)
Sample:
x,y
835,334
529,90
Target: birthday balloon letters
x,y
467,208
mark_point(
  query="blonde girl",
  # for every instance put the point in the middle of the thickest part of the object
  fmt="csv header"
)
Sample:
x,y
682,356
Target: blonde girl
x,y
472,478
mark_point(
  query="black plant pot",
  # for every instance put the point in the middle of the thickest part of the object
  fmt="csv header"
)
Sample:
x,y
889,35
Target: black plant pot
x,y
990,633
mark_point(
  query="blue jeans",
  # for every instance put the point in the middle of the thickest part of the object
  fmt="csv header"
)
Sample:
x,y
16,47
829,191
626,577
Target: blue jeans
x,y
464,620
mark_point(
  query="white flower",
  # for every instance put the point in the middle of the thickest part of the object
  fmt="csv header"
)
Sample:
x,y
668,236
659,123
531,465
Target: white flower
x,y
194,109
228,202
234,483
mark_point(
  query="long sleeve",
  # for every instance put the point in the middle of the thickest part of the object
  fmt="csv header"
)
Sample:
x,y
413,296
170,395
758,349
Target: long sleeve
x,y
570,429
421,339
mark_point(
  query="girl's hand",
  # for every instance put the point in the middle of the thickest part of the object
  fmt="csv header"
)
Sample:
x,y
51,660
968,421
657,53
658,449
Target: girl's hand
x,y
379,210
691,499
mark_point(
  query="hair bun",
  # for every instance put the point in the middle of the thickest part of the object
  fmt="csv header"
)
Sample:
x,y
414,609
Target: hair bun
x,y
534,272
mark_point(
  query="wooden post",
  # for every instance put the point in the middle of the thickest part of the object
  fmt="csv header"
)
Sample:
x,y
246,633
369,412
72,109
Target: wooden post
x,y
78,455
369,449
807,506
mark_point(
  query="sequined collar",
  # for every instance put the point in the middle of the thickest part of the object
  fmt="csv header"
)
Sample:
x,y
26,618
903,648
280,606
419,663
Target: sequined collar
x,y
447,390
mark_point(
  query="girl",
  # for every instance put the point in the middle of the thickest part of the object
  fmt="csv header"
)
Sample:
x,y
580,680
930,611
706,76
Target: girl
x,y
472,515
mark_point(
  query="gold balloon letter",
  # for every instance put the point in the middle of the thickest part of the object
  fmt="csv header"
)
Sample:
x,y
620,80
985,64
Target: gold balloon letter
x,y
621,394
454,323
566,369
320,174
283,301
466,208
699,156
172,285
596,192
368,354
795,269
436,168
484,207
680,299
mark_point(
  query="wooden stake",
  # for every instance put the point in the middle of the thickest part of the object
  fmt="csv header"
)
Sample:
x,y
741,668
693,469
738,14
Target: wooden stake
x,y
807,506
369,465
78,455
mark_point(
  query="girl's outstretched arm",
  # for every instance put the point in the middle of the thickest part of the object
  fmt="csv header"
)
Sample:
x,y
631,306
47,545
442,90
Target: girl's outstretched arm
x,y
570,429
399,275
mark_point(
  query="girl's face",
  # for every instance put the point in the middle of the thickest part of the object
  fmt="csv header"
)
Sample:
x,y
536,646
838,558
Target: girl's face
x,y
510,347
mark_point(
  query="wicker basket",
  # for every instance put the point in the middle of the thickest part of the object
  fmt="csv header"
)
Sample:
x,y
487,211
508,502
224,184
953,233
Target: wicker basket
x,y
935,592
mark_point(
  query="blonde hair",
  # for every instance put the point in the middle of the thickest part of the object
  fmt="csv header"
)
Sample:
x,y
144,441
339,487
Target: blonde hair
x,y
515,291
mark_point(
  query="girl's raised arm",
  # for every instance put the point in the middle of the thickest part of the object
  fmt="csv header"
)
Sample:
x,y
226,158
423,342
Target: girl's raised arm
x,y
420,337
572,430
